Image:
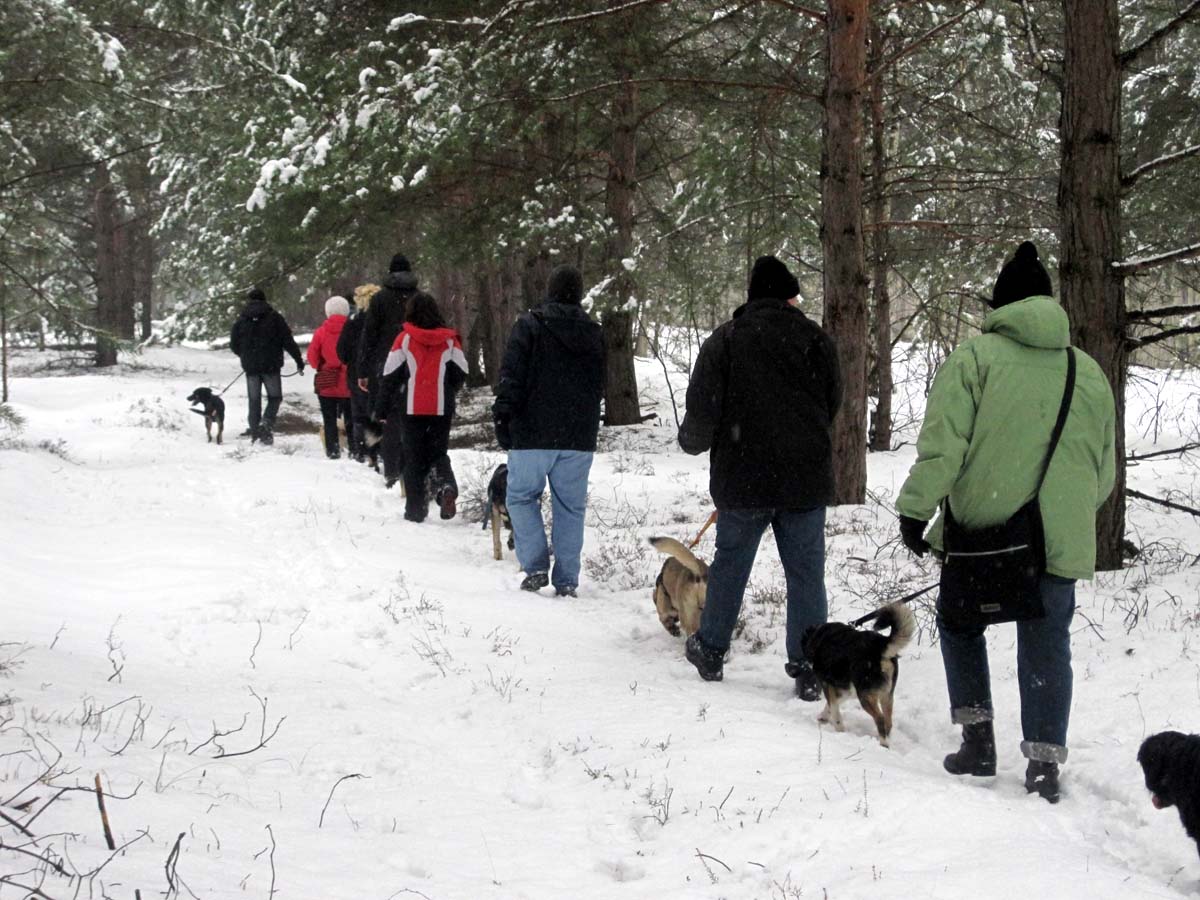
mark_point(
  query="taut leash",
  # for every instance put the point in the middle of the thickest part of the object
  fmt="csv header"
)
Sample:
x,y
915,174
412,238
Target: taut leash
x,y
875,615
240,374
712,518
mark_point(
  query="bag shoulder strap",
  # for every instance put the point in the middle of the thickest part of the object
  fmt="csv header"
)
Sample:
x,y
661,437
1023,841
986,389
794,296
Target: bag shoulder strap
x,y
1063,409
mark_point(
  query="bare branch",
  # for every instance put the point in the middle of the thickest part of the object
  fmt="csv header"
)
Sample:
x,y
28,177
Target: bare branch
x,y
1128,181
1134,343
329,799
1163,312
1129,492
917,43
1131,266
1138,457
596,14
1156,37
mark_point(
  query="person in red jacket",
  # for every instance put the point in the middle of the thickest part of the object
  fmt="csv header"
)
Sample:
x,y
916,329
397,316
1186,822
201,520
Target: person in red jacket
x,y
333,392
424,369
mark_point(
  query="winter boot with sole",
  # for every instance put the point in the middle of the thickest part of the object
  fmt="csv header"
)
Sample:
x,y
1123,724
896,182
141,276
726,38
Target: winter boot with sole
x,y
977,755
1041,778
808,688
709,663
535,581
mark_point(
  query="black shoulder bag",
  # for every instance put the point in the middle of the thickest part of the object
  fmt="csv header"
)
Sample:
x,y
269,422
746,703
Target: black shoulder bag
x,y
992,575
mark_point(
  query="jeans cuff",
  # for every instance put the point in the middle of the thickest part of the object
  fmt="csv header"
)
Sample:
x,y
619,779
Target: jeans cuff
x,y
971,715
1040,751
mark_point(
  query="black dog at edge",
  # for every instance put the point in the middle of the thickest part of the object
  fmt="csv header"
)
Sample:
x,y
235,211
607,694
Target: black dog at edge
x,y
1170,761
213,411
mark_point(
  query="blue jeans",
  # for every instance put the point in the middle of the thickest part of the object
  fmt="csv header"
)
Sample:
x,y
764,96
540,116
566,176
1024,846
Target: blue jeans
x,y
800,537
567,472
254,388
1043,673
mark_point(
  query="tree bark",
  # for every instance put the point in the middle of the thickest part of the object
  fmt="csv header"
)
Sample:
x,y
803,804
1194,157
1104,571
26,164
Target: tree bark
x,y
621,405
1089,197
881,301
845,274
113,299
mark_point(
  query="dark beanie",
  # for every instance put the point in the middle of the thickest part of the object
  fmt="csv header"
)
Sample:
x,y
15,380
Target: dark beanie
x,y
256,294
771,279
399,264
1022,276
565,285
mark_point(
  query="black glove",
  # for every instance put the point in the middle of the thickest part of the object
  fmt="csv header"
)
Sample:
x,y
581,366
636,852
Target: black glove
x,y
910,532
299,367
503,434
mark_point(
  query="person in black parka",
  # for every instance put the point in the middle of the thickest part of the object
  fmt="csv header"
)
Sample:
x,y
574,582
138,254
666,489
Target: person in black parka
x,y
260,337
383,322
347,349
547,415
762,399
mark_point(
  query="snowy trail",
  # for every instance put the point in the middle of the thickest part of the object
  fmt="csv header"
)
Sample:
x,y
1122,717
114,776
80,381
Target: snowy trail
x,y
512,746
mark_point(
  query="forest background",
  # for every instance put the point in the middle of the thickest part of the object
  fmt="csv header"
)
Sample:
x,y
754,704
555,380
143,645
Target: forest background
x,y
160,157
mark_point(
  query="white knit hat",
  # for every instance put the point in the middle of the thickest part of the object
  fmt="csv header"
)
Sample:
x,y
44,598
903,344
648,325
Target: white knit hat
x,y
337,306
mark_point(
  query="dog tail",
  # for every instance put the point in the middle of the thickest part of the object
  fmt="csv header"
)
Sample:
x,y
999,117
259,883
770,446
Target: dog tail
x,y
672,547
900,619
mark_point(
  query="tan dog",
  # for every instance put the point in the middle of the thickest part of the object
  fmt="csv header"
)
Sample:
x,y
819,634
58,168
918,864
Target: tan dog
x,y
681,587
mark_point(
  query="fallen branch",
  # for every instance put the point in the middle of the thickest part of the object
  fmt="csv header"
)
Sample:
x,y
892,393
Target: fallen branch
x,y
263,737
271,859
329,799
17,825
172,863
1161,502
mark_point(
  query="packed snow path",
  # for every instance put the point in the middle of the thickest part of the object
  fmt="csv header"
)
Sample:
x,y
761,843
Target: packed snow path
x,y
158,590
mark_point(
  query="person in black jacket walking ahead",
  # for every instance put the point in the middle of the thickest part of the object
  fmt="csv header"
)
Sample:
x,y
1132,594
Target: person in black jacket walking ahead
x,y
547,415
762,399
383,322
259,338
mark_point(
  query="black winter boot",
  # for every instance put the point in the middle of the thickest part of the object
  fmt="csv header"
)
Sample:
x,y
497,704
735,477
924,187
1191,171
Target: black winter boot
x,y
977,755
1042,778
808,688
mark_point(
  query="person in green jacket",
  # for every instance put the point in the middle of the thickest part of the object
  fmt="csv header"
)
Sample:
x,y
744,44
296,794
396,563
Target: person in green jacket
x,y
987,427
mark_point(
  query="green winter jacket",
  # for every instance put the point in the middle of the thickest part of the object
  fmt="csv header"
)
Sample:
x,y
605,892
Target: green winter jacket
x,y
987,428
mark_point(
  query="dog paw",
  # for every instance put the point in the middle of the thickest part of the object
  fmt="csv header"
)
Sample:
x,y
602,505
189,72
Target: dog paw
x,y
823,718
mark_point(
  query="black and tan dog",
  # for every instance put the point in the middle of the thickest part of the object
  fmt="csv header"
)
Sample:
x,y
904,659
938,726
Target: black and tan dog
x,y
213,411
1170,761
681,587
845,658
495,512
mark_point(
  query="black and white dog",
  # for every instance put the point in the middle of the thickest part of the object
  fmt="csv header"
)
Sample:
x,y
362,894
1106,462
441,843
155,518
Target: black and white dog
x,y
213,410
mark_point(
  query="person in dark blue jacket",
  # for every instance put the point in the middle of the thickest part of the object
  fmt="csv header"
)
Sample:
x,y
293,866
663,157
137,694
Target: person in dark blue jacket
x,y
547,415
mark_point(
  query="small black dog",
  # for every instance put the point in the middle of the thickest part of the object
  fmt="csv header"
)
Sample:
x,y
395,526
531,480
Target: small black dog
x,y
1170,761
213,411
844,659
495,512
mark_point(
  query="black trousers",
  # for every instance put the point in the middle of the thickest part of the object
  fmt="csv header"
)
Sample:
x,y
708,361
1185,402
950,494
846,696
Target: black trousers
x,y
360,414
331,408
427,466
254,387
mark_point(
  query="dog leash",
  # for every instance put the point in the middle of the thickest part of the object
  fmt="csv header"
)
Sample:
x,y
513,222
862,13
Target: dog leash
x,y
236,377
712,518
875,615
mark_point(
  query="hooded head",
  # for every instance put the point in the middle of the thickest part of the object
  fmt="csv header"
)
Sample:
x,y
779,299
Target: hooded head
x,y
399,264
565,286
771,279
1022,276
256,295
423,312
337,306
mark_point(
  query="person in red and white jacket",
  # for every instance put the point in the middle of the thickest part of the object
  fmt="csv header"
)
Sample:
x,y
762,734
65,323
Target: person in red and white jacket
x,y
424,369
333,392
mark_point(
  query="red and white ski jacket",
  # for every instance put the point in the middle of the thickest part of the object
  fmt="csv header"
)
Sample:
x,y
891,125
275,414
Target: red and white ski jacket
x,y
427,359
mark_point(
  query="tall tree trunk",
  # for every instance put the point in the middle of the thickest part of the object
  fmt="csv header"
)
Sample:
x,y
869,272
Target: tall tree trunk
x,y
3,341
1089,208
881,301
620,390
112,295
842,237
141,247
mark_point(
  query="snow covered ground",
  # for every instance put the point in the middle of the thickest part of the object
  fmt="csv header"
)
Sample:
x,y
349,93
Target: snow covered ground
x,y
167,606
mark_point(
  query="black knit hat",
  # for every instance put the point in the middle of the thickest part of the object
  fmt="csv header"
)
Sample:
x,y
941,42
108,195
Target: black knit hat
x,y
1022,276
771,279
565,285
399,264
256,294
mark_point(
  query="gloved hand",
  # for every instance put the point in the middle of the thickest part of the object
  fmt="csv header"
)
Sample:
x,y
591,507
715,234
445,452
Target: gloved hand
x,y
299,367
503,434
911,531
